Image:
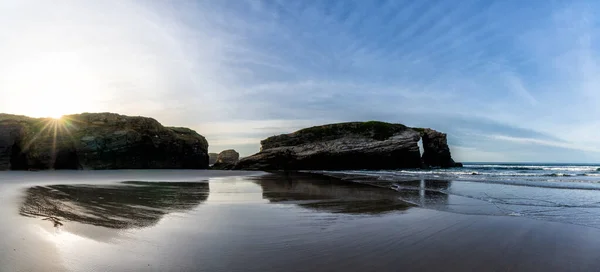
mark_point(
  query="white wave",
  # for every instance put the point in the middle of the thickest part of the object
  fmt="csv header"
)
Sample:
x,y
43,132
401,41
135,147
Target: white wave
x,y
575,168
501,166
473,173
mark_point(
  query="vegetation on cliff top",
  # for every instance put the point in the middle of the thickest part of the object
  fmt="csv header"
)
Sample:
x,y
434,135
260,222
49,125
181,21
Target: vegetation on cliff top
x,y
372,129
377,130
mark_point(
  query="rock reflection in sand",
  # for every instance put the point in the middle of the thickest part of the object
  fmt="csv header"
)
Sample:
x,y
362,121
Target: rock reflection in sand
x,y
443,195
425,193
420,192
329,194
126,205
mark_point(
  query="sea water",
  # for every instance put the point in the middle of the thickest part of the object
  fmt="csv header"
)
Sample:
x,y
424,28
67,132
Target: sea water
x,y
568,193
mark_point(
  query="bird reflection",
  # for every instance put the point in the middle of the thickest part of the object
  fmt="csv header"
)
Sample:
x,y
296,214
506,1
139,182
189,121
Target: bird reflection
x,y
120,206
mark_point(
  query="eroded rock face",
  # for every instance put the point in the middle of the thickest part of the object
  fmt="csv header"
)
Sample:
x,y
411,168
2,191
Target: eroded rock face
x,y
98,141
227,160
344,146
436,152
10,134
348,146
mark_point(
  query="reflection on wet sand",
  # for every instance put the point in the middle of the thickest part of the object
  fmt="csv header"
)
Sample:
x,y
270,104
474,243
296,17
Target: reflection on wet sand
x,y
329,194
126,205
315,224
443,195
424,193
420,192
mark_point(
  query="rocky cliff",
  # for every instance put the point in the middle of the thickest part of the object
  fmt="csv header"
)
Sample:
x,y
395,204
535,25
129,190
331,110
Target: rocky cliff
x,y
98,141
354,145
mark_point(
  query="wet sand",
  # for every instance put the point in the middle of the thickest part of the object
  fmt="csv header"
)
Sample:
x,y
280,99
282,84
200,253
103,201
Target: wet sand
x,y
250,221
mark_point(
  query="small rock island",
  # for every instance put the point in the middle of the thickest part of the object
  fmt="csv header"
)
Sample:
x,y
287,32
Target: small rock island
x,y
98,141
226,160
355,145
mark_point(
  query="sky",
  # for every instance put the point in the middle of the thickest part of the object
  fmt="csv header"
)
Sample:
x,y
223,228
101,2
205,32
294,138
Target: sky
x,y
513,81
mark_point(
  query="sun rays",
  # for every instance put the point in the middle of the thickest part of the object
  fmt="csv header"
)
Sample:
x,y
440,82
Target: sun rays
x,y
57,129
56,116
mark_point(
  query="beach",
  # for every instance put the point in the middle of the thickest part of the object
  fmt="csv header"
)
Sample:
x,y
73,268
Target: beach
x,y
156,220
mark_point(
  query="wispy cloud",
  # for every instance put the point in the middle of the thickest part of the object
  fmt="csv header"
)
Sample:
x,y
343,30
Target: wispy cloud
x,y
516,86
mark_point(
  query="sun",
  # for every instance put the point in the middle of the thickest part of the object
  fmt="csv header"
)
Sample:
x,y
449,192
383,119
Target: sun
x,y
47,111
56,116
51,85
49,106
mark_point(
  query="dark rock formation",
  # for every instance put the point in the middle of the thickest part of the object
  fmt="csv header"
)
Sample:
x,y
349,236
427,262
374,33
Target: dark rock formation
x,y
354,145
212,158
226,160
435,149
10,136
98,141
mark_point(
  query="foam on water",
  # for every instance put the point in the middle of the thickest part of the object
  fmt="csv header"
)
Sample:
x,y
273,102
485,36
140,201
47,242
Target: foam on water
x,y
554,176
560,192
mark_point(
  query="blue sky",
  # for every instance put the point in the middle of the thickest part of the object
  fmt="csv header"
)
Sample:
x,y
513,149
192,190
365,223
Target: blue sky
x,y
507,80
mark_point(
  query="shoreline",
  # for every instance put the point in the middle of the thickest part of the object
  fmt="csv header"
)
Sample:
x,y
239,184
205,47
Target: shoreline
x,y
49,177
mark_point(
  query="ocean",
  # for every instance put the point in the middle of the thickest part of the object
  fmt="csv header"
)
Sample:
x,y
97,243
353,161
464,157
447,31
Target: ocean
x,y
568,193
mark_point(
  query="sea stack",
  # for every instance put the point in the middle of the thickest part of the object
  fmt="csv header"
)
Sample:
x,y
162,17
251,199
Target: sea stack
x,y
435,149
349,146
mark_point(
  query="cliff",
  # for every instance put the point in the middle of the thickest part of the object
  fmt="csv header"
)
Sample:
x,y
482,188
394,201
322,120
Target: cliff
x,y
98,141
353,145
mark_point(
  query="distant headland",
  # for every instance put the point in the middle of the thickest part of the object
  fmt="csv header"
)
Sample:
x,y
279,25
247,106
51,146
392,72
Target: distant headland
x,y
113,141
